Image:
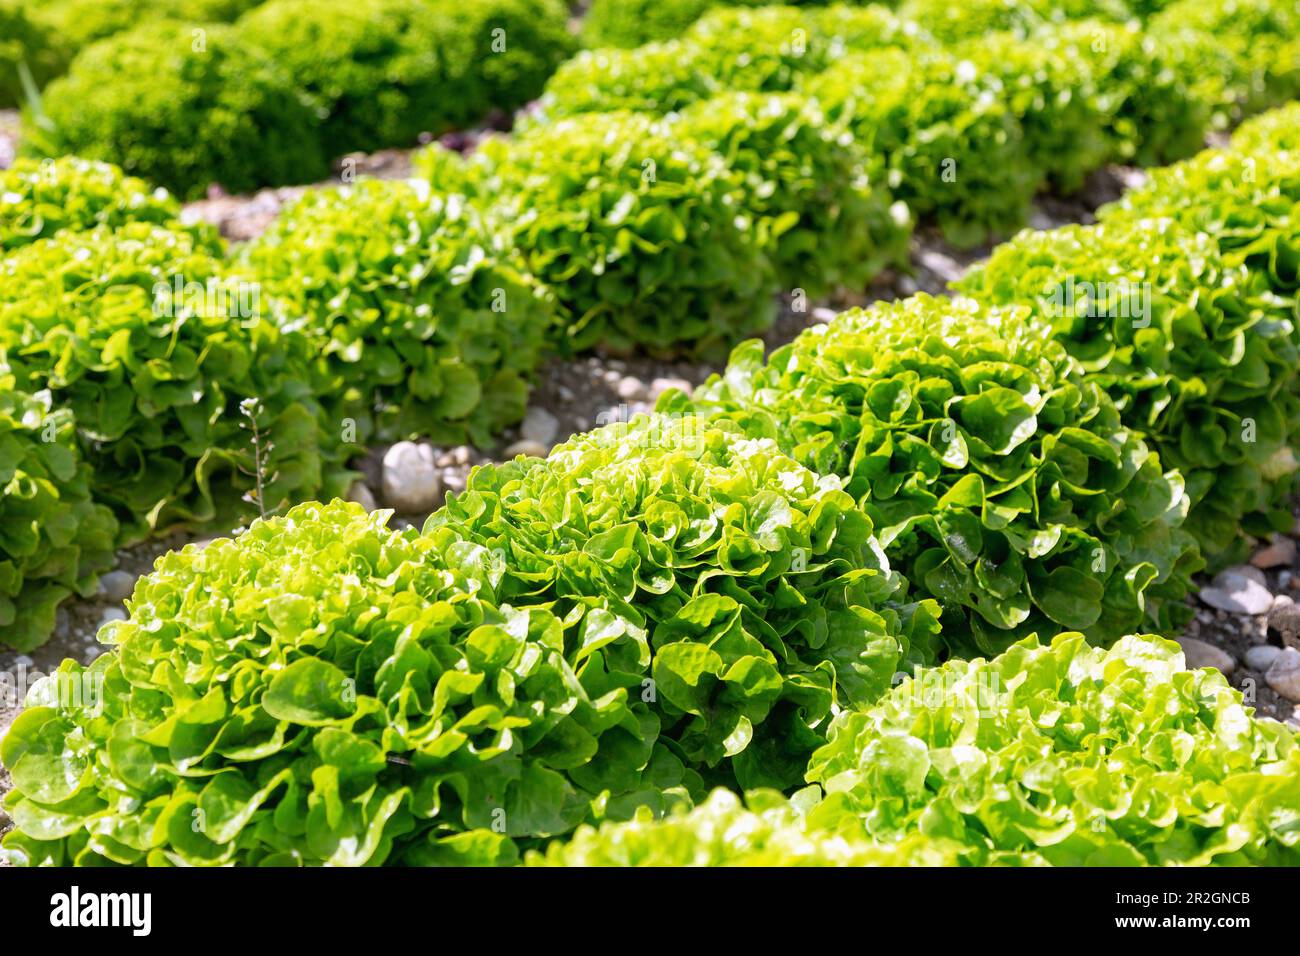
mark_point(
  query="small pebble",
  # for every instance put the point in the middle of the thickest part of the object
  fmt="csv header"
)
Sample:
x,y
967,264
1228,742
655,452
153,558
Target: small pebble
x,y
112,614
630,389
411,483
540,426
1284,674
1240,590
1261,657
360,493
1201,654
22,660
1284,617
661,385
454,480
1280,553
117,585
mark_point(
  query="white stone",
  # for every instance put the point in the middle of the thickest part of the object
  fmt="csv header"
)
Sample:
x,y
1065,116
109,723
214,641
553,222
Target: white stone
x,y
360,493
661,385
112,614
117,585
540,426
411,482
1261,657
1201,654
1240,590
630,389
1284,674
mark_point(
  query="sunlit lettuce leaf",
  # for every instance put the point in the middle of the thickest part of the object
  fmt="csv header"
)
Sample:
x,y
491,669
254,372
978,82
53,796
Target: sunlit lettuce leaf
x,y
40,198
153,344
763,830
1197,349
1000,481
734,594
1070,755
424,324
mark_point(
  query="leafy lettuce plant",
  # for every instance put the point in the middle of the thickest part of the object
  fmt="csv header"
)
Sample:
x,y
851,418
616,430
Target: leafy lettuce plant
x,y
807,187
952,23
1277,129
772,48
952,146
367,65
28,44
632,23
1246,53
1244,199
1199,354
47,36
40,198
183,106
640,234
1052,94
763,829
423,324
655,78
320,690
1067,755
732,49
1000,480
736,597
152,345
53,538
1149,89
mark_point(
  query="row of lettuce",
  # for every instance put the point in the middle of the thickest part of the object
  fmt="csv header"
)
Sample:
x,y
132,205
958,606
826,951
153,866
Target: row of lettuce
x,y
633,23
387,310
697,599
184,98
969,108
963,111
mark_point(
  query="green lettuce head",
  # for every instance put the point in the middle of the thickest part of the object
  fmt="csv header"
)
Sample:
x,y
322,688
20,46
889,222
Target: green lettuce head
x,y
1068,755
735,596
641,234
423,323
1000,480
1196,349
153,345
53,538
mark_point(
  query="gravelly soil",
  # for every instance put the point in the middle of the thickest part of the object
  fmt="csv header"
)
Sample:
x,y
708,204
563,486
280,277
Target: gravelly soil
x,y
585,392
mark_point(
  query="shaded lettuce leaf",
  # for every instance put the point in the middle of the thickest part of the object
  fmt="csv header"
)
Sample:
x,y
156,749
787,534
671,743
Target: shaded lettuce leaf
x,y
53,538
